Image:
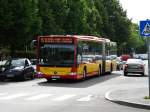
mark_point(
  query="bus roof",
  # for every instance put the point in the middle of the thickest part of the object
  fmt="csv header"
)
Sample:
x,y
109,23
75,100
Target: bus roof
x,y
81,37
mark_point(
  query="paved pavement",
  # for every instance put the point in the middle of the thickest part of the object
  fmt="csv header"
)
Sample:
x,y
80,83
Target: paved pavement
x,y
133,97
130,97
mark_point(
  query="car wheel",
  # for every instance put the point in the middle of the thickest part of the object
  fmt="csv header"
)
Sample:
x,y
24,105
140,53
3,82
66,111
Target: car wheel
x,y
2,79
125,73
142,74
32,76
121,67
118,68
23,76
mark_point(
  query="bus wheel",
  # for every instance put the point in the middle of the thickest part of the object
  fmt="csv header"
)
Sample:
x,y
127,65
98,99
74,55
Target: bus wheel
x,y
99,71
49,80
111,68
125,73
84,74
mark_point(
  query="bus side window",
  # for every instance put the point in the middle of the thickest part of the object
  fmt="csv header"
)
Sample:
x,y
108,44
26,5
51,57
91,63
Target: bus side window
x,y
79,54
79,50
79,59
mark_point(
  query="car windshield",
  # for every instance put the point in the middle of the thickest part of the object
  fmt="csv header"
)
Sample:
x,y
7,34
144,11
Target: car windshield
x,y
136,61
15,63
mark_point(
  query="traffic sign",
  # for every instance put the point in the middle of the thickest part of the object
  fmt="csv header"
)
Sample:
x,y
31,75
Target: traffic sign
x,y
145,31
145,28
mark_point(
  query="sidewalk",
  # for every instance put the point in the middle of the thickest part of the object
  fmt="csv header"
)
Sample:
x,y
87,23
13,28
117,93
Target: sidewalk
x,y
131,97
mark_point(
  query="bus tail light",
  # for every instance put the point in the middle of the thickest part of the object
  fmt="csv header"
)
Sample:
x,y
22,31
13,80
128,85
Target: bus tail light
x,y
37,68
73,71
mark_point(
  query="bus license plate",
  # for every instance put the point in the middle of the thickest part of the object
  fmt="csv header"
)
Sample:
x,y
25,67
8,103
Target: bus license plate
x,y
55,77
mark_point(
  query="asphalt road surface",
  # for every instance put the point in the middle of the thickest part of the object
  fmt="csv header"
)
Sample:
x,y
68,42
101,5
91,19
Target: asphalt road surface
x,y
66,96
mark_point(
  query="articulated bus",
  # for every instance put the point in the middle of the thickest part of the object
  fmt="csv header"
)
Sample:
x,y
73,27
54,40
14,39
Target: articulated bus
x,y
74,56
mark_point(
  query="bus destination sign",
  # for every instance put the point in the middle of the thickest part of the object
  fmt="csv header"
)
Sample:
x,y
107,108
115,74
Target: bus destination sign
x,y
56,40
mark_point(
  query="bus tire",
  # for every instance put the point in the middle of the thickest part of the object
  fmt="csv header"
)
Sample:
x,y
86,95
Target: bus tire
x,y
111,68
99,71
84,74
142,74
125,73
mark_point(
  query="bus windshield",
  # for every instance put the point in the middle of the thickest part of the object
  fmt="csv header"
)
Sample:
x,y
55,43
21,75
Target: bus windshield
x,y
56,55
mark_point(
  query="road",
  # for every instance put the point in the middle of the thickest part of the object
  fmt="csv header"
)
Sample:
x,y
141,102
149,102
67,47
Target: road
x,y
65,96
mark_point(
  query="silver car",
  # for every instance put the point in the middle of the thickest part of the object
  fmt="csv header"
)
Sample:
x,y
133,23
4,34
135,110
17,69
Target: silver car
x,y
134,66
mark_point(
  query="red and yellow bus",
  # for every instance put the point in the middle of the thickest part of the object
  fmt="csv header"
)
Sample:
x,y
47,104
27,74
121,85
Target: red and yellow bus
x,y
74,56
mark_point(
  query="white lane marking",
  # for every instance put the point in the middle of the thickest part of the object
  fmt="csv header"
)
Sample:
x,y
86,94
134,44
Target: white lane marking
x,y
13,96
1,94
40,96
64,97
87,98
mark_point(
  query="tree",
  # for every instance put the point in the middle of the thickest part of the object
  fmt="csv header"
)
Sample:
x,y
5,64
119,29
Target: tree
x,y
21,21
74,22
94,20
17,23
59,10
119,25
135,41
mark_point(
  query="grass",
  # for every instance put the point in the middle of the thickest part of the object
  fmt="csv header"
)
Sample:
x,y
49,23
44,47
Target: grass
x,y
147,98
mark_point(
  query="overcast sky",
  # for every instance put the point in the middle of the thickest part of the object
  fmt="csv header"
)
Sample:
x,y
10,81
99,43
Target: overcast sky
x,y
136,9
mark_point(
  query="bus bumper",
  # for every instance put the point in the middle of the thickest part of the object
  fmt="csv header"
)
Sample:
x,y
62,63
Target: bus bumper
x,y
71,77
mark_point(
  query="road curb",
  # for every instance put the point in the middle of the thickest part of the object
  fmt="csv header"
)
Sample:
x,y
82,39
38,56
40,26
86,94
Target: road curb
x,y
126,103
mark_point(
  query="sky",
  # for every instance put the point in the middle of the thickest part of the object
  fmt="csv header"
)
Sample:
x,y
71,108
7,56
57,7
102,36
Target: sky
x,y
137,10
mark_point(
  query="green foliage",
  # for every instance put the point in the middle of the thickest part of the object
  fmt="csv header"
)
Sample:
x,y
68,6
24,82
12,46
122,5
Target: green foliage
x,y
49,25
23,54
23,20
146,97
18,22
136,41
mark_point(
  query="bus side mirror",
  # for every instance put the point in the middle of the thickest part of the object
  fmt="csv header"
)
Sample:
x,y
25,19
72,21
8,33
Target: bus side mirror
x,y
33,44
